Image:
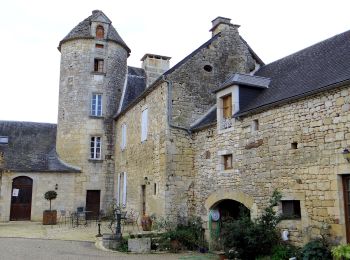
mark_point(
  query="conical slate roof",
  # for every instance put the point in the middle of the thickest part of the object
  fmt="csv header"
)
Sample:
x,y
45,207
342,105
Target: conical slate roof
x,y
83,31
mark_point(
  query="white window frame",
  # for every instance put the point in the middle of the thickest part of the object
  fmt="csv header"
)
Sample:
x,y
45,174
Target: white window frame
x,y
96,147
96,104
123,136
4,139
226,124
144,124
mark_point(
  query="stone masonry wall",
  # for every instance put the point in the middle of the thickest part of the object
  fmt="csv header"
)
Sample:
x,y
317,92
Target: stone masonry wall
x,y
76,126
148,158
264,160
192,91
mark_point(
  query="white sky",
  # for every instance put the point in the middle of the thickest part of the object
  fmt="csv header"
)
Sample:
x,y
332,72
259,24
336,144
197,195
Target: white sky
x,y
31,31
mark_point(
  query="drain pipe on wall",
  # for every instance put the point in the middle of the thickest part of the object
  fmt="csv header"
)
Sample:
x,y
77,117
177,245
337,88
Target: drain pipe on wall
x,y
170,108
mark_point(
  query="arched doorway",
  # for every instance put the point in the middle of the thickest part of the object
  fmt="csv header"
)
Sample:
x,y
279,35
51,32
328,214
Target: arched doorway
x,y
231,209
21,198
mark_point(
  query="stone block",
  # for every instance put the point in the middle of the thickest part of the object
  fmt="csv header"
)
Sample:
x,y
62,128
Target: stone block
x,y
139,245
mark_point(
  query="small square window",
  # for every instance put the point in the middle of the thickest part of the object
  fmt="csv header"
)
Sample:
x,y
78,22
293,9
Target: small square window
x,y
4,139
294,145
99,46
98,65
227,161
291,209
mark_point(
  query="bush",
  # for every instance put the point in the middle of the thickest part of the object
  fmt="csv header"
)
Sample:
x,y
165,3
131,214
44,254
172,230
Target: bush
x,y
188,233
341,252
251,239
284,251
315,250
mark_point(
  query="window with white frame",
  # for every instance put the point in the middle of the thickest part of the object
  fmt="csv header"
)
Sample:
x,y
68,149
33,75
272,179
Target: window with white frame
x,y
144,124
123,137
96,105
4,139
121,189
95,148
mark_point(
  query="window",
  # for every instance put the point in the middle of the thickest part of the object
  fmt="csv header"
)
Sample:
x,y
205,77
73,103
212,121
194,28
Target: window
x,y
123,140
227,106
144,125
255,125
155,189
95,148
227,161
98,65
99,46
294,145
96,105
121,189
291,209
100,32
4,139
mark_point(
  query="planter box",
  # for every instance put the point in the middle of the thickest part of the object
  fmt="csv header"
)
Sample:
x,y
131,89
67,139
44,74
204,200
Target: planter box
x,y
50,217
139,245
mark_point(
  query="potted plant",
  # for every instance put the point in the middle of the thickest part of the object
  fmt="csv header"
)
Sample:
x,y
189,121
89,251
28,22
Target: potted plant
x,y
146,223
50,216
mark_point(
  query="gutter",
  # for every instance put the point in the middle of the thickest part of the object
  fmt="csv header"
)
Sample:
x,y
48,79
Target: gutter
x,y
170,108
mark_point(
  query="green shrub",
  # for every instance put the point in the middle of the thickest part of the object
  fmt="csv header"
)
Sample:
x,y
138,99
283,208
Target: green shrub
x,y
341,252
50,195
315,250
284,251
251,239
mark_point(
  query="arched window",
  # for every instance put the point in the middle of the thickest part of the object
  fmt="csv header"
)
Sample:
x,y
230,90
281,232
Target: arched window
x,y
100,32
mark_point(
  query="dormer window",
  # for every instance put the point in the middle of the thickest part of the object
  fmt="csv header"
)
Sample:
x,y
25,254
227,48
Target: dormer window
x,y
4,140
227,106
100,32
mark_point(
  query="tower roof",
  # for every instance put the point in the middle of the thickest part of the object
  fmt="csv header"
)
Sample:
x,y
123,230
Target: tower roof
x,y
83,30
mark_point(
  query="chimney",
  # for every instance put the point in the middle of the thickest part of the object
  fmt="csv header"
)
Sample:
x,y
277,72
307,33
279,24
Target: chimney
x,y
220,24
154,66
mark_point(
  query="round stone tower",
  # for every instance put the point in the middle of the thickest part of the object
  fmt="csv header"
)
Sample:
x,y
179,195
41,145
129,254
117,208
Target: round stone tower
x,y
92,74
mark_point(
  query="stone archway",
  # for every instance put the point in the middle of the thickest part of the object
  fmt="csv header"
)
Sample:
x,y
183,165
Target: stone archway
x,y
238,196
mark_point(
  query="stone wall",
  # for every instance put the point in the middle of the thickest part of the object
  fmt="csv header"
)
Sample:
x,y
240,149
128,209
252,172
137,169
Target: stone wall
x,y
42,182
265,160
147,158
76,126
193,85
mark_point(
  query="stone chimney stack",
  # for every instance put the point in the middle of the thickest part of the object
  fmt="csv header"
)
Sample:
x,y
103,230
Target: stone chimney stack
x,y
220,24
154,66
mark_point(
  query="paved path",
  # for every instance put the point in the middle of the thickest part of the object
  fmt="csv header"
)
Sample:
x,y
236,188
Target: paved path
x,y
39,249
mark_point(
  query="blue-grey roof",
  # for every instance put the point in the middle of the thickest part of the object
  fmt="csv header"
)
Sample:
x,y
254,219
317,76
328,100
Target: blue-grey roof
x,y
207,120
322,66
83,31
31,148
245,80
135,86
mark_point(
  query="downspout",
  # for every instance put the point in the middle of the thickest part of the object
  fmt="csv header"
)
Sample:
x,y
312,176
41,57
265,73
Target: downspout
x,y
170,108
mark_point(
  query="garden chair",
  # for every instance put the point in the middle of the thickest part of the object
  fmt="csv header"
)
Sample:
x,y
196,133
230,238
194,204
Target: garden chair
x,y
64,216
131,218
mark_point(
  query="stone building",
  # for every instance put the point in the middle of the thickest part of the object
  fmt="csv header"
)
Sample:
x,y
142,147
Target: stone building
x,y
217,131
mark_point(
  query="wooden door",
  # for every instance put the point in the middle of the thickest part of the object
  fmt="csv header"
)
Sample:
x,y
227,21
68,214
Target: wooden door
x,y
143,199
346,186
21,198
92,203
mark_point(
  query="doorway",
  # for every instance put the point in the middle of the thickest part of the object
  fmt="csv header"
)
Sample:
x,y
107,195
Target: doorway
x,y
346,187
21,198
92,204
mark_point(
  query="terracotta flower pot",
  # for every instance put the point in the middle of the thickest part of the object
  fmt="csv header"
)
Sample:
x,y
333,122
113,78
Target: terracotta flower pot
x,y
146,223
50,217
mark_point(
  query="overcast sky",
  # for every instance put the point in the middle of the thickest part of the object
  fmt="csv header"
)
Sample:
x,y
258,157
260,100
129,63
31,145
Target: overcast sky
x,y
31,31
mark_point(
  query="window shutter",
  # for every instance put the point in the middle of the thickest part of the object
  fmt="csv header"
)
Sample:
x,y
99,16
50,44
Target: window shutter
x,y
124,190
144,124
227,106
118,190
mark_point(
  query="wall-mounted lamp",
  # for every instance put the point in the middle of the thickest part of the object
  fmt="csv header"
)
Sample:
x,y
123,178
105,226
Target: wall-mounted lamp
x,y
346,154
56,186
